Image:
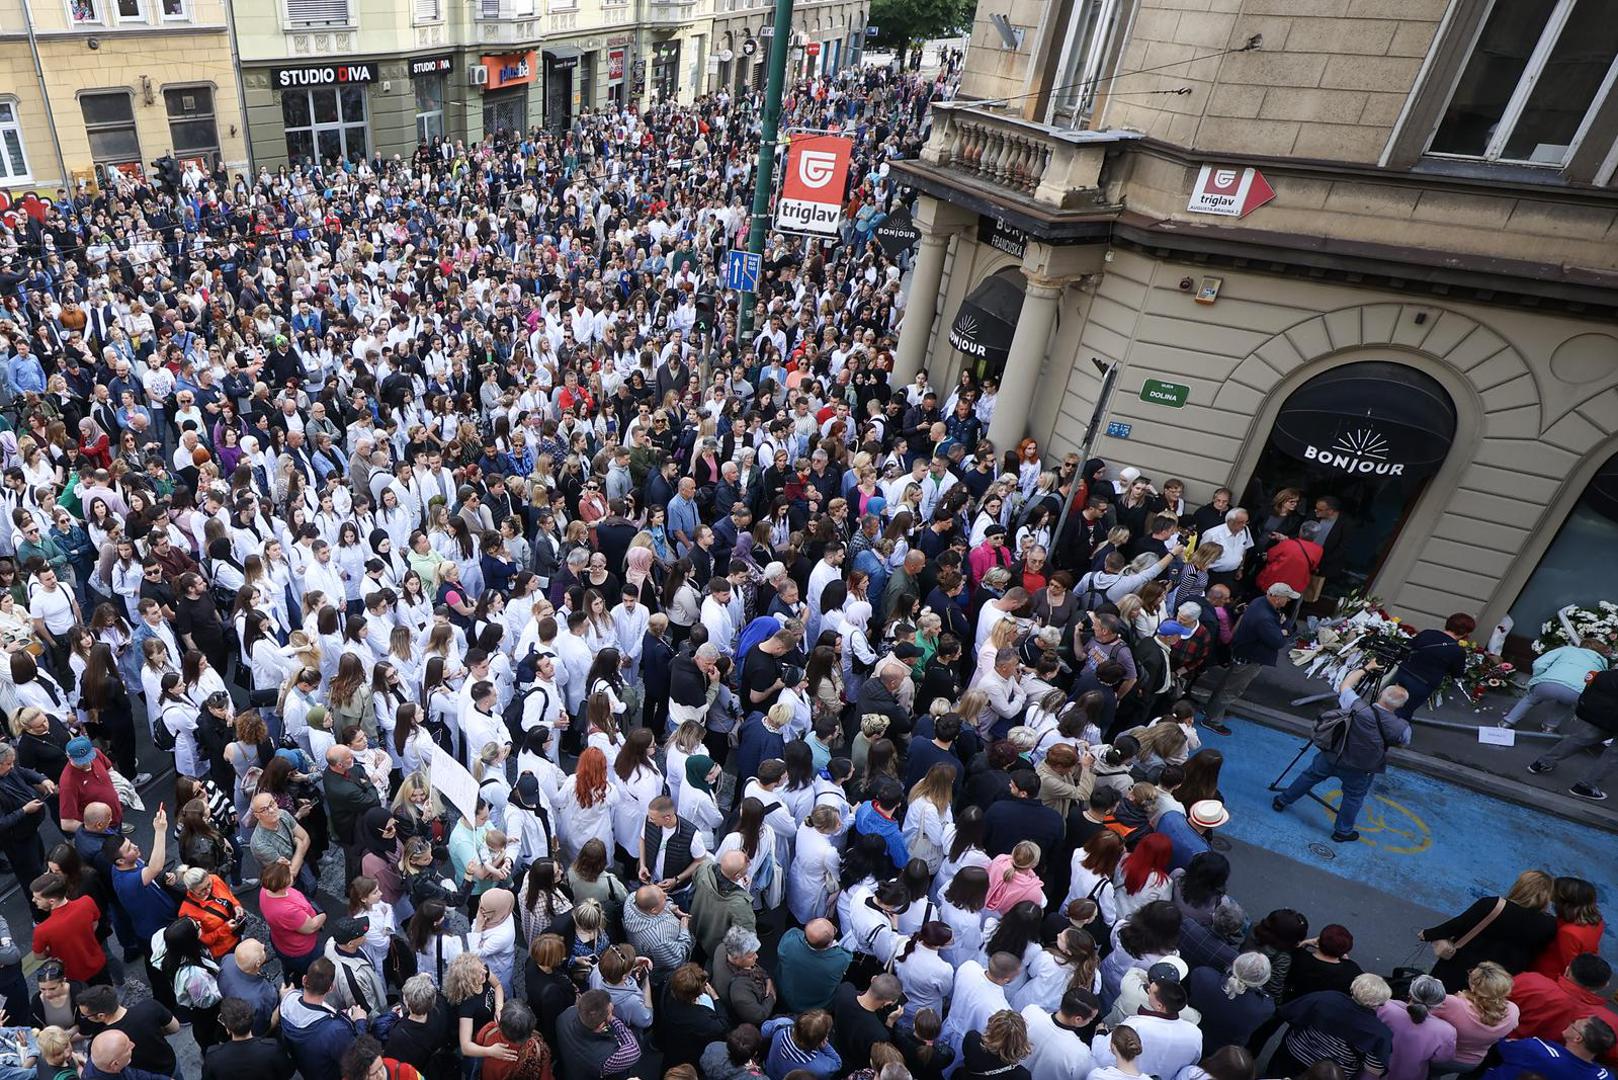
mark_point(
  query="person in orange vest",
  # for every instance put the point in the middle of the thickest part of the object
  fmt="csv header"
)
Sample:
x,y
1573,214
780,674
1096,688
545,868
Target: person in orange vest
x,y
214,908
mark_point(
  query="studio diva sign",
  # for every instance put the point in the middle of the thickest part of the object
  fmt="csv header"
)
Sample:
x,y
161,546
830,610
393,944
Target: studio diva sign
x,y
1360,451
324,75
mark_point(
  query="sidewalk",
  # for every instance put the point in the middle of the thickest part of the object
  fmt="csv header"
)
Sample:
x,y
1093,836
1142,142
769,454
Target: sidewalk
x,y
1445,745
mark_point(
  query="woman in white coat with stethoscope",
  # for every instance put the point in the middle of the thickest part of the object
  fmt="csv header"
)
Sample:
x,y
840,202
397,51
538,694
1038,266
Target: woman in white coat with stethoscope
x,y
817,865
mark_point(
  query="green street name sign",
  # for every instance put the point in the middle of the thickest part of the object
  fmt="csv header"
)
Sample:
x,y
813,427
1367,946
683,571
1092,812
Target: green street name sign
x,y
1158,392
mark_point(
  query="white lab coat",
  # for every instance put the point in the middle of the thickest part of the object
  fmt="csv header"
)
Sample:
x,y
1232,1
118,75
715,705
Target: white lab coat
x,y
813,875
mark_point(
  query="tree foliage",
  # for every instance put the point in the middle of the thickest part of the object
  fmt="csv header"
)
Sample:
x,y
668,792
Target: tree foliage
x,y
900,22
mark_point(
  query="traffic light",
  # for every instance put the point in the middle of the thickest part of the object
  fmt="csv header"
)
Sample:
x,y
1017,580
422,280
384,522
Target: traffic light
x,y
705,312
168,172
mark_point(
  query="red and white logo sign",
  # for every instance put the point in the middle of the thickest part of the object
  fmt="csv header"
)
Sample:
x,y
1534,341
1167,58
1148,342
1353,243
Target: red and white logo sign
x,y
1228,191
813,48
812,190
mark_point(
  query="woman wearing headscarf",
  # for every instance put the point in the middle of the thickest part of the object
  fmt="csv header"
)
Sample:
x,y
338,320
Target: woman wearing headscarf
x,y
697,804
638,576
379,844
494,933
393,565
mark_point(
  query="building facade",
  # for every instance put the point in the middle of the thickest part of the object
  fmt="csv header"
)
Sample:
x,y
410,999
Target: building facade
x,y
327,79
92,86
1362,248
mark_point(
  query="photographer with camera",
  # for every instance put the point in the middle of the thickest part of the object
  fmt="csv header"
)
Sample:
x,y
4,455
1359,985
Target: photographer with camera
x,y
1352,743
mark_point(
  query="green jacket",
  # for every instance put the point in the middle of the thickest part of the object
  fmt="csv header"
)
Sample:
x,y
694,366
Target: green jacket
x,y
717,904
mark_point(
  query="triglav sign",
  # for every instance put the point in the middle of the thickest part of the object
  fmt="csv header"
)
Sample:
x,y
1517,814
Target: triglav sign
x,y
1361,451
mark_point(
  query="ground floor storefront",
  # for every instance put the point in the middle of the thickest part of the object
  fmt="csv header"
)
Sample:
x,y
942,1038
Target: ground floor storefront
x,y
1473,447
826,39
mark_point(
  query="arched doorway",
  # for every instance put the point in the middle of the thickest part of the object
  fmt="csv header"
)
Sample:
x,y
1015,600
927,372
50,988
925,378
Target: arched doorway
x,y
987,320
1370,435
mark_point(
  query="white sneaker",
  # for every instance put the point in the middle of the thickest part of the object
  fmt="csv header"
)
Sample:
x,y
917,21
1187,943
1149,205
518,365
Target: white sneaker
x,y
142,779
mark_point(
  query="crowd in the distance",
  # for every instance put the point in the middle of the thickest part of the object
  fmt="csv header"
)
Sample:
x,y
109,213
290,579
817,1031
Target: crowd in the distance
x,y
804,745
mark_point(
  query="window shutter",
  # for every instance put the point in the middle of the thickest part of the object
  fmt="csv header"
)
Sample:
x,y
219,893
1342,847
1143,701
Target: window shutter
x,y
426,10
317,12
489,9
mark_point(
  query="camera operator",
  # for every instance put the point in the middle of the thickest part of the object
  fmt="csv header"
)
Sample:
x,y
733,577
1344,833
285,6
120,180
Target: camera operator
x,y
1352,744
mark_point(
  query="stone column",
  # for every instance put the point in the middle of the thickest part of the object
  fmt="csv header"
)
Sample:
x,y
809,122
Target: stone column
x,y
1015,401
926,275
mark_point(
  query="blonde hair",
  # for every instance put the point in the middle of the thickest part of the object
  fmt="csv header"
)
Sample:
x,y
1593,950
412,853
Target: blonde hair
x,y
1488,988
55,1044
1006,1036
1003,634
1532,890
936,786
1025,856
1206,553
418,781
23,715
1166,739
464,977
872,725
1129,607
971,706
588,915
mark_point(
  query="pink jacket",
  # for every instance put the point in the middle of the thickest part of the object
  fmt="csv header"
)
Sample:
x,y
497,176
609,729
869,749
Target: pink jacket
x,y
1003,894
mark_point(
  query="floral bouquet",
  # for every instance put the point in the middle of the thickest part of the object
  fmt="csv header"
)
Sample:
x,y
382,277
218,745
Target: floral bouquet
x,y
1574,623
1331,649
1485,674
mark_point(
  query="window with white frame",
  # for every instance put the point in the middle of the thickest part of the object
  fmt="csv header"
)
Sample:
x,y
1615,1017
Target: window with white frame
x,y
429,108
1532,82
13,158
80,12
109,121
129,11
325,124
1087,50
429,11
318,13
173,10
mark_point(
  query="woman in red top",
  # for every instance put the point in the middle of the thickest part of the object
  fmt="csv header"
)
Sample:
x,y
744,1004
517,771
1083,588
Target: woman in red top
x,y
1578,926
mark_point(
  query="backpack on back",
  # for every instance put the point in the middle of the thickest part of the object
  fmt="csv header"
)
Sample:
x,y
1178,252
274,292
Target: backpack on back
x,y
1330,732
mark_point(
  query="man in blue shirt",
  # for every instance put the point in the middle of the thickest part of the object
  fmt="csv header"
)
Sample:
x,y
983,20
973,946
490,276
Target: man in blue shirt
x,y
27,375
1575,1059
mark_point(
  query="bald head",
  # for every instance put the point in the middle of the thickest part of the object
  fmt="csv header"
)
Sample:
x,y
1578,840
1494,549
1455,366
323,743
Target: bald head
x,y
97,816
649,898
111,1050
340,758
820,933
733,864
250,956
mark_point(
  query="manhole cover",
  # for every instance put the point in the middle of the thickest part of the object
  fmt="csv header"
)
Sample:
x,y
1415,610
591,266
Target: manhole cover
x,y
1219,843
1322,850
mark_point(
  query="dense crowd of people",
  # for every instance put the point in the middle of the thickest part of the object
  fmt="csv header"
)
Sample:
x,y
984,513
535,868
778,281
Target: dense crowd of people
x,y
807,742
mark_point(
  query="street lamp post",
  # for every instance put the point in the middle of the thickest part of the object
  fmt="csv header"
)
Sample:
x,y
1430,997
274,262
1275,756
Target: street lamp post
x,y
780,43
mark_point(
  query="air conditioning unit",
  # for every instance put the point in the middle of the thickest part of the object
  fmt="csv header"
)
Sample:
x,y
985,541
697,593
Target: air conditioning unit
x,y
477,76
799,39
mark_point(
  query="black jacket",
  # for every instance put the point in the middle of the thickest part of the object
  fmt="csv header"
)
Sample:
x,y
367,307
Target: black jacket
x,y
687,684
1598,704
1012,820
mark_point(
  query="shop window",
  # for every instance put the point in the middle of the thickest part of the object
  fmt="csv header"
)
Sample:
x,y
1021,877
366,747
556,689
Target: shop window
x,y
109,121
1568,571
13,159
325,124
192,130
1529,85
318,13
429,108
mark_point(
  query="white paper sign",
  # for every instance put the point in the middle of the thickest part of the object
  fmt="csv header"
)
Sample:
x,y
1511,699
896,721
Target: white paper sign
x,y
1497,736
451,780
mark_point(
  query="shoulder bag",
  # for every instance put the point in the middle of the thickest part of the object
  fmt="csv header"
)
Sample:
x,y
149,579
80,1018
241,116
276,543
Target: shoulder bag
x,y
1446,949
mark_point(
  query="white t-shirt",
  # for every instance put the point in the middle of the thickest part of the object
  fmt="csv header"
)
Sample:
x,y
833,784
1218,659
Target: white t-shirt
x,y
55,608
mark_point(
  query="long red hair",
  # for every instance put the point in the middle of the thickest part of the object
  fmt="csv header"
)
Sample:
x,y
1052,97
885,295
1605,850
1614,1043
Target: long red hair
x,y
1147,864
590,777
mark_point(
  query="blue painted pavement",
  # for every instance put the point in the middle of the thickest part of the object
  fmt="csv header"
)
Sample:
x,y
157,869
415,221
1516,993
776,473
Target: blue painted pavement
x,y
1429,842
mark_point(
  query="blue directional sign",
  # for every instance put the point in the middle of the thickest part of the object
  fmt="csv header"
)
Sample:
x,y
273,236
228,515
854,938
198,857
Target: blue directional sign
x,y
742,271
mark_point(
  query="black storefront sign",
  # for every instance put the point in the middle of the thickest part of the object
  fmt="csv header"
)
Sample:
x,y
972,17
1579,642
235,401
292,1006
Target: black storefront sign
x,y
1370,419
293,78
1002,237
897,233
432,65
987,320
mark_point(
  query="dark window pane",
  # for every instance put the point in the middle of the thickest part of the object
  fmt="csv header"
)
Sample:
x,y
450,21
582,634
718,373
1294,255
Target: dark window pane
x,y
1572,77
189,101
330,143
353,103
129,9
300,145
107,109
295,108
114,144
325,102
191,136
356,141
1491,75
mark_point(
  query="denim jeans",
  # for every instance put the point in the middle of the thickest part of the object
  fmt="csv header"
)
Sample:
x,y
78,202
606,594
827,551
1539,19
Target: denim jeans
x,y
1582,735
1356,785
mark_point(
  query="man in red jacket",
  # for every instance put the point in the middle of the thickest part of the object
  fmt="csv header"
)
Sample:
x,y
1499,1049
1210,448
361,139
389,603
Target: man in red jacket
x,y
1293,560
1548,1006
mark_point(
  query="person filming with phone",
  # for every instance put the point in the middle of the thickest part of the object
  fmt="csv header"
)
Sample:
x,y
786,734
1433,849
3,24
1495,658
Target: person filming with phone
x,y
1352,743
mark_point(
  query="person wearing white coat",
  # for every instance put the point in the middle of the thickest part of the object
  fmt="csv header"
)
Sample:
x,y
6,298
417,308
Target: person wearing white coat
x,y
926,976
816,864
924,829
579,820
636,793
978,994
962,906
1059,1050
1097,885
1055,968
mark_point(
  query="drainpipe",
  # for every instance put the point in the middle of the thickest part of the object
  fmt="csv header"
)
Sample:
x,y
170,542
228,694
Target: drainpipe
x,y
241,85
45,95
